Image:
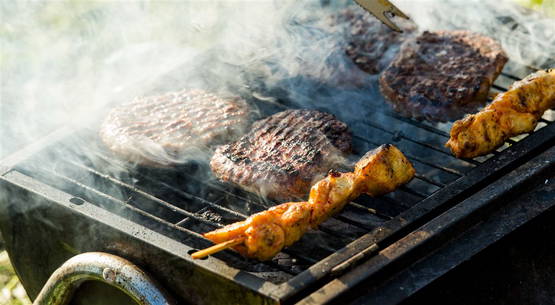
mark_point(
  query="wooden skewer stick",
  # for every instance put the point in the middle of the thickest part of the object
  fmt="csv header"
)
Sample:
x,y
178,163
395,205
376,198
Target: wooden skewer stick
x,y
217,248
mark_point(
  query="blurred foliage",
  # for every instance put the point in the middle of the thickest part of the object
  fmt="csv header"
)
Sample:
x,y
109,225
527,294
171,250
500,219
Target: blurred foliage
x,y
100,27
11,290
53,53
545,6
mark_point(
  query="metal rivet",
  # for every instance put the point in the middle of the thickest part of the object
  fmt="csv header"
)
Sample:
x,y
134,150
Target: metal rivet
x,y
77,201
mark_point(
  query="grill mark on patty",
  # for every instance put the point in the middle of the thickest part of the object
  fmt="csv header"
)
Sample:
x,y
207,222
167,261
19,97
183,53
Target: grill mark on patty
x,y
371,45
442,75
283,153
173,124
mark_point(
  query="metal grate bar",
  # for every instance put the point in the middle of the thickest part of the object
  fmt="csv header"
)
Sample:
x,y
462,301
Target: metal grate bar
x,y
499,87
369,210
210,224
238,214
120,202
147,195
413,192
432,157
191,196
339,235
182,221
333,233
387,207
391,200
511,76
361,225
156,199
417,124
446,169
347,220
413,141
430,181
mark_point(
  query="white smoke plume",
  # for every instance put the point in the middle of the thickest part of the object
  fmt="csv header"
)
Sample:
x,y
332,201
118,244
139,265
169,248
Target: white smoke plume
x,y
65,61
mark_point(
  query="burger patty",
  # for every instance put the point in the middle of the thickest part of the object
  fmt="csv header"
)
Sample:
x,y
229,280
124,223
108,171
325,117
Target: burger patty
x,y
442,75
283,154
371,45
171,128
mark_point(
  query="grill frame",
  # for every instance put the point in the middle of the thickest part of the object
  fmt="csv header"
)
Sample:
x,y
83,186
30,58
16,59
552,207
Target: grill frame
x,y
235,281
449,239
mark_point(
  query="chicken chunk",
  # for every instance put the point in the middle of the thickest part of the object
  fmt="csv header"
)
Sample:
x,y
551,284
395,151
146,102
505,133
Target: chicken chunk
x,y
264,234
511,113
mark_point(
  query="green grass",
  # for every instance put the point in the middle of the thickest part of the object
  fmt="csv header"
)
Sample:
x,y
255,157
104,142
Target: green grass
x,y
545,6
11,290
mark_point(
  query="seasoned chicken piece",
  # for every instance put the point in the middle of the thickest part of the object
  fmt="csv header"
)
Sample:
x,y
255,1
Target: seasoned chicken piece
x,y
382,170
511,113
378,172
233,231
264,237
330,195
293,218
264,234
267,232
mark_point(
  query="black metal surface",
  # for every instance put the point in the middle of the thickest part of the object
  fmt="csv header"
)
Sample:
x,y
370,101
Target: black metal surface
x,y
434,205
516,270
145,214
448,240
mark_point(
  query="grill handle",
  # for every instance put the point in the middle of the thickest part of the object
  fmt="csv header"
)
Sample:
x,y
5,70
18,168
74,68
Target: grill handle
x,y
107,268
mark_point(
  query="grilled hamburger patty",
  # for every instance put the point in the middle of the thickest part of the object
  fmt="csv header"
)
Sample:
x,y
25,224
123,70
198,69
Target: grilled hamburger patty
x,y
442,75
371,44
165,129
283,154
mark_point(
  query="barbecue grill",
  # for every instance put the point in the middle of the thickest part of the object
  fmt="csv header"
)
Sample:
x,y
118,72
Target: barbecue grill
x,y
382,249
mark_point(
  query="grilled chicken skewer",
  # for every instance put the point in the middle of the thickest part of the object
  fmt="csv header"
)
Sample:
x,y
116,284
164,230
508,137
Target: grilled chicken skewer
x,y
511,113
264,234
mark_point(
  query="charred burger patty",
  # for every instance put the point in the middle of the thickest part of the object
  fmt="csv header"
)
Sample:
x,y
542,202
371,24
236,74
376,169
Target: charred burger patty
x,y
442,75
283,154
161,130
371,44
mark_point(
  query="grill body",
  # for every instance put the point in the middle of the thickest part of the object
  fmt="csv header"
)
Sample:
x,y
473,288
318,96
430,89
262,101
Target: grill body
x,y
87,202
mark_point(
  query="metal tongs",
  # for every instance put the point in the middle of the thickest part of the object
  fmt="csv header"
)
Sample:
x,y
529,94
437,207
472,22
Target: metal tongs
x,y
383,10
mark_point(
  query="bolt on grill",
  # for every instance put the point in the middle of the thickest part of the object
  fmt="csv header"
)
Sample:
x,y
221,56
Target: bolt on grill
x,y
186,201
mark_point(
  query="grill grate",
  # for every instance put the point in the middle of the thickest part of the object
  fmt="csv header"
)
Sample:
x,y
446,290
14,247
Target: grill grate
x,y
184,202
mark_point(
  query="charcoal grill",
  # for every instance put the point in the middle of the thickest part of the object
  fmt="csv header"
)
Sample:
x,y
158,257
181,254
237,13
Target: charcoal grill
x,y
382,249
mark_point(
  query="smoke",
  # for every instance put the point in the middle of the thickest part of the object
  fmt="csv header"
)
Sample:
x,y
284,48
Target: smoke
x,y
66,63
528,36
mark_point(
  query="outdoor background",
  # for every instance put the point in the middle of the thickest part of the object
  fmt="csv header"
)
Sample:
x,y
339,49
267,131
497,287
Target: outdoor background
x,y
29,32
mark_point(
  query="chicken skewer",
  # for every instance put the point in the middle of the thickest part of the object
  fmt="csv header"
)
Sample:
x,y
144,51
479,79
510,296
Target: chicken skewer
x,y
264,234
511,113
